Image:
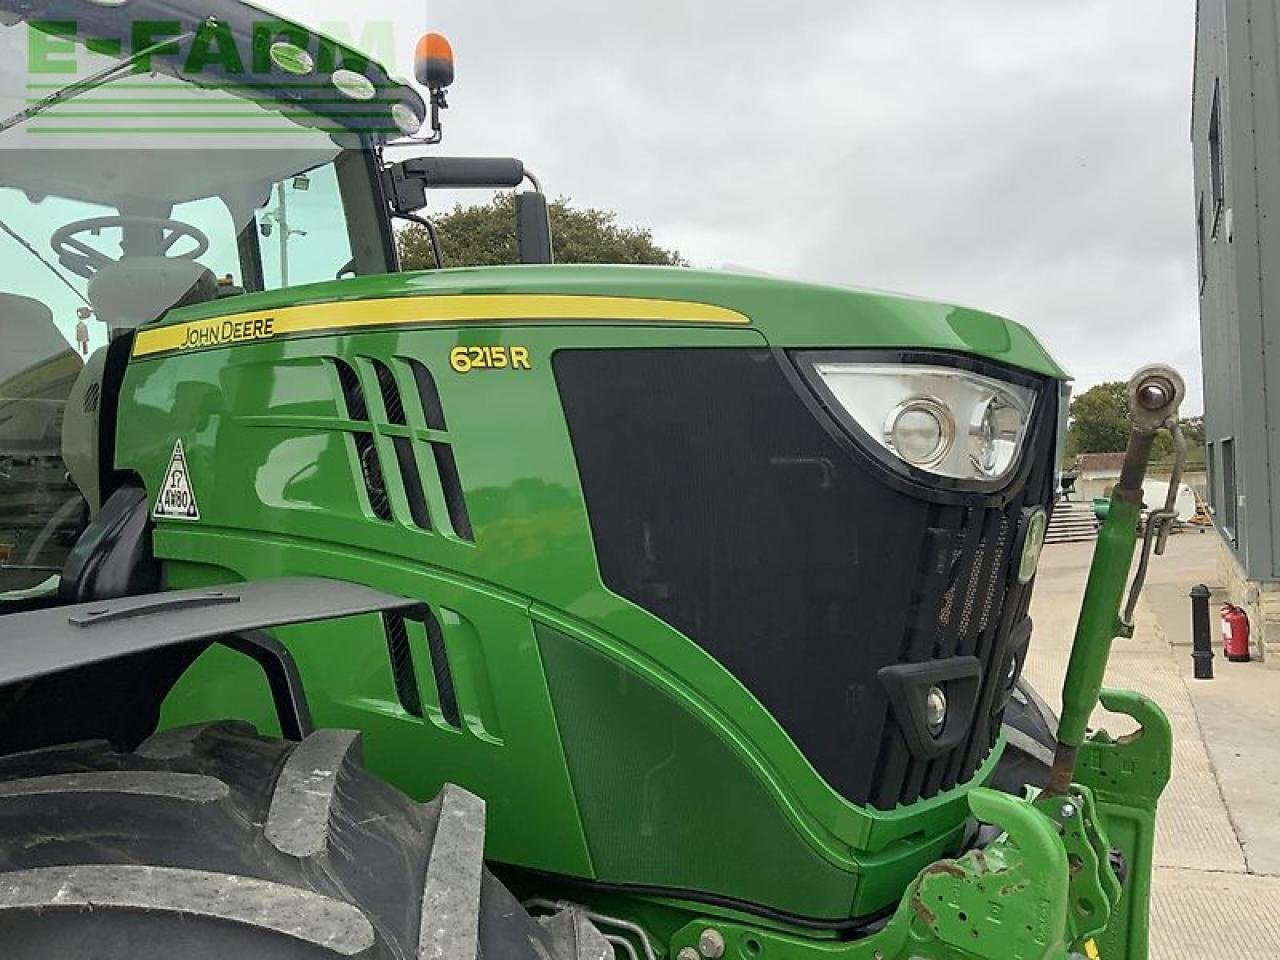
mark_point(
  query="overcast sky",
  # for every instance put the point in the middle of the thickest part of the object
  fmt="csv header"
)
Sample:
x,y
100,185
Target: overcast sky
x,y
1029,157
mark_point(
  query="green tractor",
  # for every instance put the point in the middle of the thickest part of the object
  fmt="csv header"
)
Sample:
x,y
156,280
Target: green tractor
x,y
526,612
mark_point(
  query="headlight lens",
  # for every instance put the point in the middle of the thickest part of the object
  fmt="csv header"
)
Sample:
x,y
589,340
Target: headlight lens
x,y
406,119
921,431
943,420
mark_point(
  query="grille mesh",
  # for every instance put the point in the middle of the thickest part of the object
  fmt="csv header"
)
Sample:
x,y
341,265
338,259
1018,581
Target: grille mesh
x,y
399,463
402,671
976,545
391,400
443,672
352,394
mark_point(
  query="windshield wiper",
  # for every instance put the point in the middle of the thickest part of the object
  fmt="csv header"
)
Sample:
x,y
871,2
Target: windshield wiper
x,y
92,82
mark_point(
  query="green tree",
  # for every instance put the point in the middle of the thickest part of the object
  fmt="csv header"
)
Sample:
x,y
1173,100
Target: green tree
x,y
1100,423
485,235
1100,420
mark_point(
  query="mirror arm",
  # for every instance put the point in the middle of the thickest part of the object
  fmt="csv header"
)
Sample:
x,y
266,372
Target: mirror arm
x,y
432,234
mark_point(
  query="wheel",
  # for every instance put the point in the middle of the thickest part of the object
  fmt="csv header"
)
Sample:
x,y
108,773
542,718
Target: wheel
x,y
1031,730
213,842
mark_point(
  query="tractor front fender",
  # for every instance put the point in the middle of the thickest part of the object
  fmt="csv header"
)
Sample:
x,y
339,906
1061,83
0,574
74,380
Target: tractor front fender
x,y
101,670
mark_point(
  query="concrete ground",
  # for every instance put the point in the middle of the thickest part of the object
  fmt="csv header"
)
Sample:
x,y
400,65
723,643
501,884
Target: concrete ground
x,y
1217,883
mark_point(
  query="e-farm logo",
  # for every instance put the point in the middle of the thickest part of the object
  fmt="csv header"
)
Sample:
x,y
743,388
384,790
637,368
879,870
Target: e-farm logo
x,y
166,77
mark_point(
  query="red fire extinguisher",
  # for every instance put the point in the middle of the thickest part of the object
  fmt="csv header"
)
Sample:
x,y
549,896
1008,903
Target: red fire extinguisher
x,y
1235,634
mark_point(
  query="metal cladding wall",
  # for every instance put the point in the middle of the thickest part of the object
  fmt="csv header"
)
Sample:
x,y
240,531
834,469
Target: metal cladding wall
x,y
1237,197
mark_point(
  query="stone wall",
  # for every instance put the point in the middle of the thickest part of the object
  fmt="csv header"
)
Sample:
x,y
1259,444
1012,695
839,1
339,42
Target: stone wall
x,y
1259,599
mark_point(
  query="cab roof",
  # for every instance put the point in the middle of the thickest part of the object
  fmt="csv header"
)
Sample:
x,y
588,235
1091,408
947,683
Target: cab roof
x,y
234,39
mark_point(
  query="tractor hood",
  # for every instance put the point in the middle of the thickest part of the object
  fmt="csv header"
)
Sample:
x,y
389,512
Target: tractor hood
x,y
787,313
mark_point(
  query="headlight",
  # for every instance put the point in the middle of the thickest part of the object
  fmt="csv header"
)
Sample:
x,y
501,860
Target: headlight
x,y
943,420
406,119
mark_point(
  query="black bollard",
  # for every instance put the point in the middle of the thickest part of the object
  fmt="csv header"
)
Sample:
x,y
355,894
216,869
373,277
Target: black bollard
x,y
1201,644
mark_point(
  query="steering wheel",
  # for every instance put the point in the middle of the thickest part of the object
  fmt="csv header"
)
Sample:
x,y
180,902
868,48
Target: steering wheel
x,y
80,258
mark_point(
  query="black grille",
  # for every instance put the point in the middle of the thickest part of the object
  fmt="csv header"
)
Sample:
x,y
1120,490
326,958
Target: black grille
x,y
967,606
352,394
412,481
391,401
451,485
402,672
445,690
371,470
428,395
724,499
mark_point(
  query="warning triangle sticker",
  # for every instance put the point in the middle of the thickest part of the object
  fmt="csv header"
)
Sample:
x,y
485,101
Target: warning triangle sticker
x,y
177,499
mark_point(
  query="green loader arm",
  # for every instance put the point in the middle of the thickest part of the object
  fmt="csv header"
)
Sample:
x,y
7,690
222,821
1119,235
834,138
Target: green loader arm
x,y
1070,875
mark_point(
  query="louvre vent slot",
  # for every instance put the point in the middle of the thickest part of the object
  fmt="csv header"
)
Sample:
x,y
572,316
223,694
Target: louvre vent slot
x,y
428,396
352,394
92,396
443,673
447,468
402,672
412,482
391,400
374,484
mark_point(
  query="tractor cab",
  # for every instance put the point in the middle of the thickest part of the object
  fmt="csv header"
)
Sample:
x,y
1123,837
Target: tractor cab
x,y
199,159
254,166
107,248
97,249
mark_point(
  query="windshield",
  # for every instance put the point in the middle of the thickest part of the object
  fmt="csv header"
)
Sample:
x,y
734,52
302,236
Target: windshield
x,y
142,195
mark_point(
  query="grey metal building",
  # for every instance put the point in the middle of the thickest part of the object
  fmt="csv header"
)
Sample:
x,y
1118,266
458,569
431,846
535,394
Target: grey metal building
x,y
1235,134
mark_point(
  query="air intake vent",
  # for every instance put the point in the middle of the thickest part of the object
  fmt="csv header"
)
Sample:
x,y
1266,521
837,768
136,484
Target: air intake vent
x,y
352,394
428,395
356,408
92,397
402,672
412,483
391,400
447,467
392,455
440,667
400,646
374,484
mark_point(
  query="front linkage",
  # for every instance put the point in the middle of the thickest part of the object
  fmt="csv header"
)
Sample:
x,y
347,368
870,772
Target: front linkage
x,y
1070,875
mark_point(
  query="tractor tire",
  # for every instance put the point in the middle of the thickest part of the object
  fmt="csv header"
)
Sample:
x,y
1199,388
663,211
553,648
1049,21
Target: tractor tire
x,y
1031,729
213,842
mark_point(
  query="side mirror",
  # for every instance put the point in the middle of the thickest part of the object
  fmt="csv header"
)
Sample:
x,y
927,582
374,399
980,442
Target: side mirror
x,y
409,180
406,184
533,228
